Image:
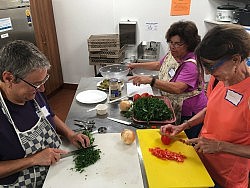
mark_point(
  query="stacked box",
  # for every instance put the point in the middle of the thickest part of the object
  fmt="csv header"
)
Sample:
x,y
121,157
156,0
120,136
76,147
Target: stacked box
x,y
105,49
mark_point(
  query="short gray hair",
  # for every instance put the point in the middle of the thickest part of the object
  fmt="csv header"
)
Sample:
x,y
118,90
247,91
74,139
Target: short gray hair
x,y
21,57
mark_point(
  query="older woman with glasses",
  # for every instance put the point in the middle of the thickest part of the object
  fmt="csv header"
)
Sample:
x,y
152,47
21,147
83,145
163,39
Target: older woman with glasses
x,y
224,141
28,127
179,78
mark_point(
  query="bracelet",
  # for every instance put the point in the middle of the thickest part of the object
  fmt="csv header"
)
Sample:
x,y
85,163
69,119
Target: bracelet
x,y
153,82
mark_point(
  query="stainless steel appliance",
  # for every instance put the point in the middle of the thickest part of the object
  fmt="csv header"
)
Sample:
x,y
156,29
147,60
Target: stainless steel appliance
x,y
225,13
148,51
15,21
127,32
242,16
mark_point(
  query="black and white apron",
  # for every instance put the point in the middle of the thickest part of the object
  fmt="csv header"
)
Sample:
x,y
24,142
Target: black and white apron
x,y
169,68
42,135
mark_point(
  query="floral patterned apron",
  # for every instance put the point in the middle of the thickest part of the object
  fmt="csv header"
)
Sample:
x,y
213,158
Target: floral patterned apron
x,y
170,67
39,137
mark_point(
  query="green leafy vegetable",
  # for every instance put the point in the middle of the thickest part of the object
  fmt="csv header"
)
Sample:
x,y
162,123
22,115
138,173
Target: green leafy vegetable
x,y
86,157
151,109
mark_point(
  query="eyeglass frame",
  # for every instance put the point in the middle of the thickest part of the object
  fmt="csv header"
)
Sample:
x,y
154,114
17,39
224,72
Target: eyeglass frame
x,y
33,85
175,44
220,62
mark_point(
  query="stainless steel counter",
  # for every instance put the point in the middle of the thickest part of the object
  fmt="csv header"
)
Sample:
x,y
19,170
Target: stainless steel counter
x,y
78,111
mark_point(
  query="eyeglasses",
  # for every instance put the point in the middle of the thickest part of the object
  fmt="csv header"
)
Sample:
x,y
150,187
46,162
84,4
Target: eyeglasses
x,y
212,67
175,44
36,86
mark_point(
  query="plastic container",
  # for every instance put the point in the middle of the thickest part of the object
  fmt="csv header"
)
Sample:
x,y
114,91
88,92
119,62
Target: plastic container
x,y
101,109
113,88
168,103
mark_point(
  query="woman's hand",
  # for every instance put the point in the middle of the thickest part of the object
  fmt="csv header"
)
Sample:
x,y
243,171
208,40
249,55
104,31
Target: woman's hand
x,y
74,138
138,80
77,138
205,145
131,66
171,129
47,156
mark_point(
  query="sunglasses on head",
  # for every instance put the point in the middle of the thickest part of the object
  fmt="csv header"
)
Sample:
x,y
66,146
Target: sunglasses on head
x,y
212,67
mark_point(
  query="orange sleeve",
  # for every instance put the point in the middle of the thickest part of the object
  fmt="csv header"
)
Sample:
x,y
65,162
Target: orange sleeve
x,y
210,85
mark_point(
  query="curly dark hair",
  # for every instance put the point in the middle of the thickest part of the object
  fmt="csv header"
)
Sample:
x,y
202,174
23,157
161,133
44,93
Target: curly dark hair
x,y
187,31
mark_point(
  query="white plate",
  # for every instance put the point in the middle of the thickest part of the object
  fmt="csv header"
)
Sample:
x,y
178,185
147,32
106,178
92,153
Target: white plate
x,y
99,83
91,96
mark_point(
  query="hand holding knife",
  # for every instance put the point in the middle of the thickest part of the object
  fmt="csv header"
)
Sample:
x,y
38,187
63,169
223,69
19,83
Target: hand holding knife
x,y
75,151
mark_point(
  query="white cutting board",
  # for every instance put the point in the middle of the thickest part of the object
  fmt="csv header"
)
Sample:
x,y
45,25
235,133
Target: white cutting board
x,y
118,167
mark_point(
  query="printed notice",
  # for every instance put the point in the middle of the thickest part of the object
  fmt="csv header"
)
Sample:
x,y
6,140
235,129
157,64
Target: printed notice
x,y
180,7
5,24
151,26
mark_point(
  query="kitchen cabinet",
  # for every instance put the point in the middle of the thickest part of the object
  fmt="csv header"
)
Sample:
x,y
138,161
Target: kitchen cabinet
x,y
46,41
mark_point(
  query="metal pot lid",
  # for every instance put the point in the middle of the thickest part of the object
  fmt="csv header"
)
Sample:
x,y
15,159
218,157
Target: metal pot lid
x,y
227,7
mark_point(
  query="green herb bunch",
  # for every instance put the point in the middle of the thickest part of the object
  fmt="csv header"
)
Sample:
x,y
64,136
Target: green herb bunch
x,y
86,157
151,109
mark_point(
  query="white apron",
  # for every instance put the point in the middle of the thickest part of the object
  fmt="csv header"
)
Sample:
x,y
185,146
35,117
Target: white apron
x,y
42,135
169,68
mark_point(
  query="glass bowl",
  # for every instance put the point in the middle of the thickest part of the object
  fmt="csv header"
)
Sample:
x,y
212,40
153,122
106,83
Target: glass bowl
x,y
114,71
144,72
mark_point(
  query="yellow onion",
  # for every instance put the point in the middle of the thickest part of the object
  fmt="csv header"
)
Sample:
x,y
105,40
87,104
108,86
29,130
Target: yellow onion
x,y
124,105
128,136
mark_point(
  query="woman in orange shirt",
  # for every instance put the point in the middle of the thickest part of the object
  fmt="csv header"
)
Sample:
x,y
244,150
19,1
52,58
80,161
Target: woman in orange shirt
x,y
224,141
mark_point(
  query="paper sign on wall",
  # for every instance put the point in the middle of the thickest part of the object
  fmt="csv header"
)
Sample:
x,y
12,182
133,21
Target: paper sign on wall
x,y
5,24
180,7
151,26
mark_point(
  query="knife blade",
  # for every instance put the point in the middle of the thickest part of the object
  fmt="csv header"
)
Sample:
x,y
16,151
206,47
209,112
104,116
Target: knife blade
x,y
120,121
75,151
138,126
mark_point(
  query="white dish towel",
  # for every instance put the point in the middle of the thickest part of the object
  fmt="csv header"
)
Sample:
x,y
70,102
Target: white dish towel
x,y
143,88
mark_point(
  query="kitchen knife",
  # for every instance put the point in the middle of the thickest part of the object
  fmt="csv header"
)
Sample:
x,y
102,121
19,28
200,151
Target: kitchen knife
x,y
75,151
120,121
138,126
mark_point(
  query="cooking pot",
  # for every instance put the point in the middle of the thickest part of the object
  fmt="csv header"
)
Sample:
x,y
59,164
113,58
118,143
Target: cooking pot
x,y
225,13
242,16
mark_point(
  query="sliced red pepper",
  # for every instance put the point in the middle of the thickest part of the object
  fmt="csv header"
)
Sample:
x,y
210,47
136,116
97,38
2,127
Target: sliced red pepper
x,y
167,154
